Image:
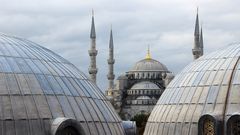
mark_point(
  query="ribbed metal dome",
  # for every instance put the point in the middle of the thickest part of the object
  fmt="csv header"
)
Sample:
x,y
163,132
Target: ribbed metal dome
x,y
41,93
204,98
149,65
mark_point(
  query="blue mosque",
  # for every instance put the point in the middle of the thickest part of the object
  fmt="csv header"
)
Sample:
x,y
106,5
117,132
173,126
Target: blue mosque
x,y
42,93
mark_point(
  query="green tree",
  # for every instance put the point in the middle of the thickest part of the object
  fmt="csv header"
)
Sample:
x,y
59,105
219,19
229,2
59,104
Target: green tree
x,y
141,120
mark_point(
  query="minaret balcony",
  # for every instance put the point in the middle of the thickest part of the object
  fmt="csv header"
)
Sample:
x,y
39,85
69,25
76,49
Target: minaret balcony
x,y
110,76
92,70
196,51
111,61
92,52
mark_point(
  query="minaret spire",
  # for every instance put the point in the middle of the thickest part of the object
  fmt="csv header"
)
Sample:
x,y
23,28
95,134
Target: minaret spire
x,y
196,32
111,62
93,52
197,50
201,41
93,33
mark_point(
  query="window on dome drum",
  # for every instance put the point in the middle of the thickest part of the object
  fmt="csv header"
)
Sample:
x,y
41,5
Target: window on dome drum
x,y
235,129
68,131
208,127
233,125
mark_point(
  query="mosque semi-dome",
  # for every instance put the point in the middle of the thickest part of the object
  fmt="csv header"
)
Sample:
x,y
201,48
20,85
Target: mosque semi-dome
x,y
145,88
143,93
145,85
203,99
41,93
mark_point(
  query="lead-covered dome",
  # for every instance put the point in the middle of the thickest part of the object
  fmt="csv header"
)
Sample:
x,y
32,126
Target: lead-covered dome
x,y
148,68
149,65
145,85
41,93
145,88
202,99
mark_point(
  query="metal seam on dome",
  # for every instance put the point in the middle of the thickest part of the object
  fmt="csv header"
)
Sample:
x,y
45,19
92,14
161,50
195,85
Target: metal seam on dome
x,y
24,50
229,86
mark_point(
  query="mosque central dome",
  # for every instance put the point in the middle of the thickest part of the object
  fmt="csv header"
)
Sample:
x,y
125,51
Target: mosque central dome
x,y
149,65
41,93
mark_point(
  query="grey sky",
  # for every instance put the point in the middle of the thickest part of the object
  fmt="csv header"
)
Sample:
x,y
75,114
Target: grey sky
x,y
167,25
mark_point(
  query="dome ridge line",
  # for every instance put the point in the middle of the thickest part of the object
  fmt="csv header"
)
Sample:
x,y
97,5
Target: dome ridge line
x,y
228,90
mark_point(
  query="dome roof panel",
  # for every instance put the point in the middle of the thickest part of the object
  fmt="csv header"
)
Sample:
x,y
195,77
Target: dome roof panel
x,y
38,86
207,86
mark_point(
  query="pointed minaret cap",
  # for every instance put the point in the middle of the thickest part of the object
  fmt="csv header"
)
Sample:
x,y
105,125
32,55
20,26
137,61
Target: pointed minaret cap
x,y
196,32
201,38
93,33
111,39
148,56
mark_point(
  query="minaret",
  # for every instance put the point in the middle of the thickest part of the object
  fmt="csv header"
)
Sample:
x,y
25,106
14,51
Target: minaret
x,y
201,42
111,62
197,51
93,53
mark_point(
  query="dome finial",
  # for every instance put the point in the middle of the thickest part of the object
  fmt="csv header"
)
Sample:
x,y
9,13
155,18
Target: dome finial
x,y
148,56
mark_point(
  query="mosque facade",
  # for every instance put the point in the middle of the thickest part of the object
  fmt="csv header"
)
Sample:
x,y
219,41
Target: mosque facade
x,y
138,90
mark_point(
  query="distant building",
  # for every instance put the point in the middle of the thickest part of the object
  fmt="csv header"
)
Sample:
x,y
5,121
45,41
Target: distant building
x,y
138,90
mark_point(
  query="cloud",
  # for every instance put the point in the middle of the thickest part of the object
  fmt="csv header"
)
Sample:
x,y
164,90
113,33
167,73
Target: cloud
x,y
64,25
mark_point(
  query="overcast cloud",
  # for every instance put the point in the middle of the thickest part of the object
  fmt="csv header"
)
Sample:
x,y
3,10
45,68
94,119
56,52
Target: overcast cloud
x,y
167,25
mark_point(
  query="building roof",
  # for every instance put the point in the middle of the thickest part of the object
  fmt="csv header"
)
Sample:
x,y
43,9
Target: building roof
x,y
40,92
149,64
145,85
208,86
143,98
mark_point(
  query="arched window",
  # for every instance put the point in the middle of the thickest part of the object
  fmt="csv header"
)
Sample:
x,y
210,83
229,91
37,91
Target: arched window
x,y
68,131
208,125
233,125
66,126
